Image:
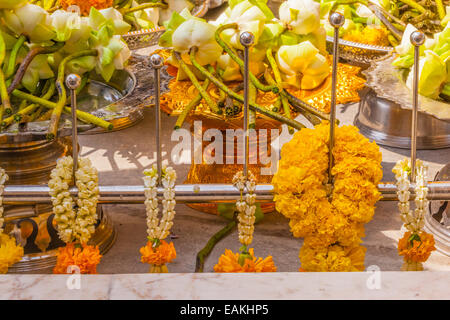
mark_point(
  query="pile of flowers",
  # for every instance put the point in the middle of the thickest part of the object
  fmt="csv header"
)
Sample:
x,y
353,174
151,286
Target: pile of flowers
x,y
75,221
330,218
157,252
416,245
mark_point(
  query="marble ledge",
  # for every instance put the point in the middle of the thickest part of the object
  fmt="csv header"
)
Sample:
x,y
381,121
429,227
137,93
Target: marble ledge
x,y
239,286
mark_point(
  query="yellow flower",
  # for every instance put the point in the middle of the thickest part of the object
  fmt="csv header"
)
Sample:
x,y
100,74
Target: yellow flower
x,y
302,195
83,256
159,256
10,252
229,262
416,248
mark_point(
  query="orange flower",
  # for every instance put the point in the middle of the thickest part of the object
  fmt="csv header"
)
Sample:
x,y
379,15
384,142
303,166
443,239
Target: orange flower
x,y
229,262
86,258
416,248
160,255
85,5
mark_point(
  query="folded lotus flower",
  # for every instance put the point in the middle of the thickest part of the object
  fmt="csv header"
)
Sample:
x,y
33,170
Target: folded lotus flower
x,y
12,4
174,6
302,65
248,16
147,18
64,23
405,47
39,68
112,57
30,20
196,32
97,18
231,70
300,16
432,75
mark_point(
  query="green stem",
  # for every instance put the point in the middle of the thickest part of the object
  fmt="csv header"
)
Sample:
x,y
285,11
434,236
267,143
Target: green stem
x,y
440,9
197,85
252,92
252,105
194,103
6,104
83,116
235,57
13,57
56,115
202,254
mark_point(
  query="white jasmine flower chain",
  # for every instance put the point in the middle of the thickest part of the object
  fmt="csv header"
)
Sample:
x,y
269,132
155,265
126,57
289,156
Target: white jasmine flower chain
x,y
159,229
247,207
414,221
74,225
3,178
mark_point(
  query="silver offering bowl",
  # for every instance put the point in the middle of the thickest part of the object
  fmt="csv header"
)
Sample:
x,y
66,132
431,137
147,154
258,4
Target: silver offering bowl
x,y
384,113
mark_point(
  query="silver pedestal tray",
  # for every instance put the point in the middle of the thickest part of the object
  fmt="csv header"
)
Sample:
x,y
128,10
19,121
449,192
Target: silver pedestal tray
x,y
437,220
384,113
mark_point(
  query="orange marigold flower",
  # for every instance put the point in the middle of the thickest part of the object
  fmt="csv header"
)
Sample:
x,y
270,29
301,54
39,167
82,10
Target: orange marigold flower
x,y
229,262
416,248
160,255
85,257
85,5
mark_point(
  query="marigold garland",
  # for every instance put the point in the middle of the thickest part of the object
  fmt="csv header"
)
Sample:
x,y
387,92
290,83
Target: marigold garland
x,y
83,256
85,5
416,245
229,262
158,252
245,260
10,251
332,229
75,220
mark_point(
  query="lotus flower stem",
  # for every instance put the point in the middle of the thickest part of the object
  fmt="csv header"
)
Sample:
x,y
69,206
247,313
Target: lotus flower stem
x,y
440,9
194,103
278,81
415,5
239,61
26,62
83,116
13,56
252,105
196,84
202,254
6,104
145,6
252,93
56,115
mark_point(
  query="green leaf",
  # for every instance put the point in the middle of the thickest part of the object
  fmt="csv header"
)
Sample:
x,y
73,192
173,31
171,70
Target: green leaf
x,y
226,210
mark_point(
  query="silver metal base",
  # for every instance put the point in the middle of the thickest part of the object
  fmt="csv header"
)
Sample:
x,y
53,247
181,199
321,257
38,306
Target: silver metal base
x,y
388,124
437,220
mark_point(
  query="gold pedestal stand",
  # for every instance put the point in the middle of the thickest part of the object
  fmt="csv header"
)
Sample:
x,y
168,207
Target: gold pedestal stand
x,y
30,163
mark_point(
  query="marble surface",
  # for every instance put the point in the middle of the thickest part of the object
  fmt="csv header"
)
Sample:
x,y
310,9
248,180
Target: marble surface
x,y
211,286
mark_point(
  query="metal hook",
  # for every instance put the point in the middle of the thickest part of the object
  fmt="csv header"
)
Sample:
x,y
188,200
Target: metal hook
x,y
157,62
73,82
247,39
417,39
336,20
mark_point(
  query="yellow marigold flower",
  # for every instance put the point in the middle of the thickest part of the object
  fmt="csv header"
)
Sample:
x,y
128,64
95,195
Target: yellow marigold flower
x,y
85,257
10,252
159,256
416,248
85,5
229,262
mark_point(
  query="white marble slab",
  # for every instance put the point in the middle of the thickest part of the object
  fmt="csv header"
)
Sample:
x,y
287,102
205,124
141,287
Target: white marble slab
x,y
213,286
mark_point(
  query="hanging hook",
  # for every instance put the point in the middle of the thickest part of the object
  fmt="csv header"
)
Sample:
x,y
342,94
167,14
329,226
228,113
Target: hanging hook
x,y
247,39
157,62
73,82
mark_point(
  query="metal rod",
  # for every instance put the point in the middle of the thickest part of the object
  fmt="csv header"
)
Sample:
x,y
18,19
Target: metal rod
x,y
417,39
336,20
73,82
27,194
156,62
247,39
